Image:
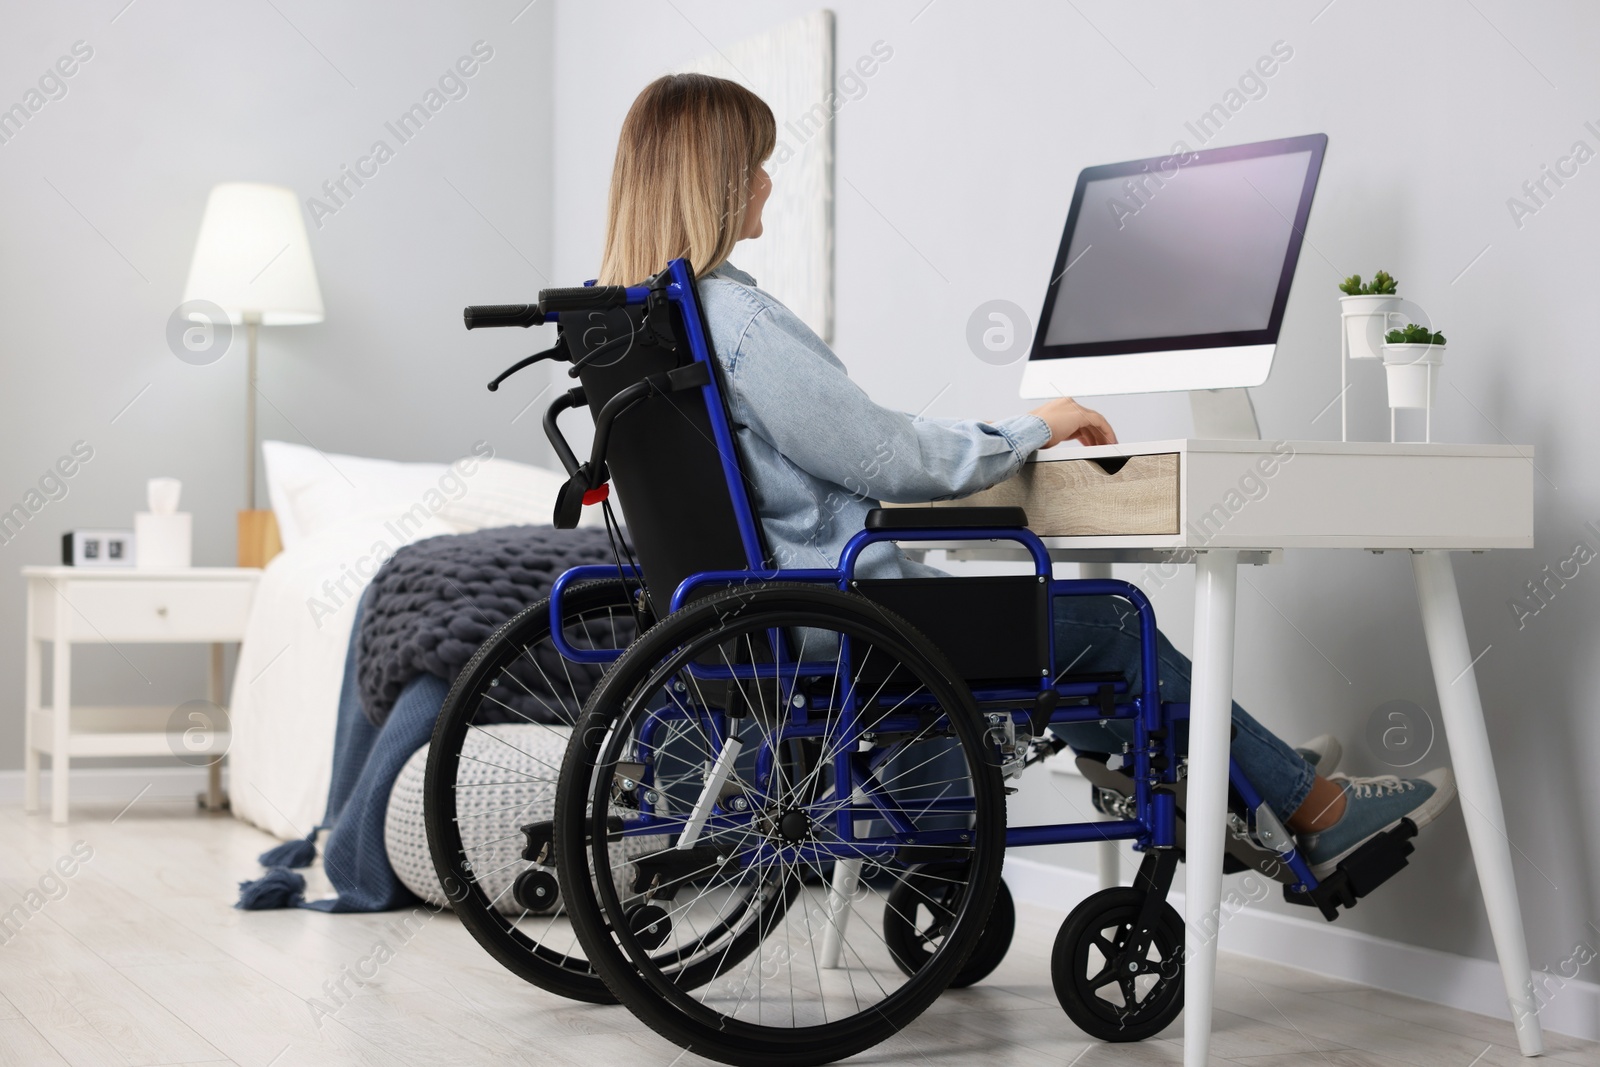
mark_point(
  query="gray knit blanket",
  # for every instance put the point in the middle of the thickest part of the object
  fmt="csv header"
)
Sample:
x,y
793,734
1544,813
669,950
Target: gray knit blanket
x,y
435,601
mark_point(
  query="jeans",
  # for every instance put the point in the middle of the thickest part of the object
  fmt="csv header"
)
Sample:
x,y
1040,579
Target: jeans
x,y
1102,634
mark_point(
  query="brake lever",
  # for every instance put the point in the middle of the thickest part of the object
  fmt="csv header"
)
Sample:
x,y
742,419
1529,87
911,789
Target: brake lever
x,y
557,351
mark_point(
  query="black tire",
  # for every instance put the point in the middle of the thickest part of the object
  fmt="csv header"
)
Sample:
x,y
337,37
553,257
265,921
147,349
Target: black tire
x,y
916,916
1085,962
651,671
601,616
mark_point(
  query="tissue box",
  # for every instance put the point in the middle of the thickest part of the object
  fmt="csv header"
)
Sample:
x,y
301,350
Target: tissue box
x,y
165,541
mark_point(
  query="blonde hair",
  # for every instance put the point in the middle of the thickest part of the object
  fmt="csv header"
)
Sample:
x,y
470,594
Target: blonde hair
x,y
689,148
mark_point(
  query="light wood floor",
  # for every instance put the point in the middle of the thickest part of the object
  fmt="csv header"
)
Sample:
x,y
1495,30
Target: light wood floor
x,y
142,961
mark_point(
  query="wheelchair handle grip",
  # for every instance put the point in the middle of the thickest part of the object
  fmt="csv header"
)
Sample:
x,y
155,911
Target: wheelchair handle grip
x,y
583,298
478,316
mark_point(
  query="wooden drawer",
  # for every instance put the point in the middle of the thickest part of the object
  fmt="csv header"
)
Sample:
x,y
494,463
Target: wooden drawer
x,y
1077,498
183,610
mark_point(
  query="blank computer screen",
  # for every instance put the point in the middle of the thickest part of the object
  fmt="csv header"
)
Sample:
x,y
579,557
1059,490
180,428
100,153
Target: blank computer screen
x,y
1199,251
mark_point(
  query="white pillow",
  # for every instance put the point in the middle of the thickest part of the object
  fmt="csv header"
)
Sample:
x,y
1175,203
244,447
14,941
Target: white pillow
x,y
312,491
501,492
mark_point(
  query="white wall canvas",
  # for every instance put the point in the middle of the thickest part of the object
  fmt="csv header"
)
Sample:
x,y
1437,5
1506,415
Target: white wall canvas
x,y
791,68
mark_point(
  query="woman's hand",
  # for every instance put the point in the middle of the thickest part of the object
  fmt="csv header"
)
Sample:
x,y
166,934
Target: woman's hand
x,y
1070,421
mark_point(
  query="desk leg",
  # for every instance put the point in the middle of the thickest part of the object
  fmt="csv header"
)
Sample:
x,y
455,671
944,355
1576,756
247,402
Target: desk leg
x,y
1210,723
60,710
1462,709
1109,853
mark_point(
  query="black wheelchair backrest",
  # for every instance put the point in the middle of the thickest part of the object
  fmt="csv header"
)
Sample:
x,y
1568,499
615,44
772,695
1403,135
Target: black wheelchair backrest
x,y
663,456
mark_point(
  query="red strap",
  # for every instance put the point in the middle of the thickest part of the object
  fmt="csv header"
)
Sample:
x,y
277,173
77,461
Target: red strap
x,y
594,496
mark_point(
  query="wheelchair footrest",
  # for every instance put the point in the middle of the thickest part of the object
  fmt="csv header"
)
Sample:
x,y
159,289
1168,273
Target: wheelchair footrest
x,y
1359,873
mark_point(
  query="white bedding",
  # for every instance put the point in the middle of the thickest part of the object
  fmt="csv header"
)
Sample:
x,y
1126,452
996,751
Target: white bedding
x,y
285,697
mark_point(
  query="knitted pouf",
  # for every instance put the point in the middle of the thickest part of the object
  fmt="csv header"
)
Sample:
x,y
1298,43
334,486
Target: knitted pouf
x,y
491,816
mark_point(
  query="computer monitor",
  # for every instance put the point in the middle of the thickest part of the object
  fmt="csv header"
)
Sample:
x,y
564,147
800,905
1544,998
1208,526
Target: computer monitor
x,y
1174,271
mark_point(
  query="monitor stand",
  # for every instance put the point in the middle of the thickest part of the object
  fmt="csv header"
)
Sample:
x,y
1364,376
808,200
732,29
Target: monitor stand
x,y
1224,415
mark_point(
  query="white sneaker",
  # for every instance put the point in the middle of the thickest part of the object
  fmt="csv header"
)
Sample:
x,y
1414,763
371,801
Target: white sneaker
x,y
1323,753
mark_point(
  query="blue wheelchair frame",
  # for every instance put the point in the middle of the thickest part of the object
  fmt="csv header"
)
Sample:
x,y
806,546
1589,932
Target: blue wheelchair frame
x,y
1153,751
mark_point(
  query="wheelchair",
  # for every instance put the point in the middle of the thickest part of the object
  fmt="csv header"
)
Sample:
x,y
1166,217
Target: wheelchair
x,y
777,828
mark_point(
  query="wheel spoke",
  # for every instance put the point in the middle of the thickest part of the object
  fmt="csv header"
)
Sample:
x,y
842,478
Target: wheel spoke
x,y
1104,977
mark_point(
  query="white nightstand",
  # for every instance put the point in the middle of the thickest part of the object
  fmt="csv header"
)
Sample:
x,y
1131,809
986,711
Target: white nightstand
x,y
67,605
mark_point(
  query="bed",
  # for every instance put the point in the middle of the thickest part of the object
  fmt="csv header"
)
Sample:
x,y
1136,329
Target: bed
x,y
339,518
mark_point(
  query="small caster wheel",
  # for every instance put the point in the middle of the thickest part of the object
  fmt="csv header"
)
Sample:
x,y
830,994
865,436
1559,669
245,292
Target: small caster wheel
x,y
537,891
650,925
918,912
1110,991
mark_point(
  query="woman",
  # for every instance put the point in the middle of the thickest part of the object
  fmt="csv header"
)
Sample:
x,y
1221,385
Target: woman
x,y
689,182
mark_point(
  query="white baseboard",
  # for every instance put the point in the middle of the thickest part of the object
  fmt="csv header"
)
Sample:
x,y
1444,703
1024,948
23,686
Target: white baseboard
x,y
115,783
1569,1006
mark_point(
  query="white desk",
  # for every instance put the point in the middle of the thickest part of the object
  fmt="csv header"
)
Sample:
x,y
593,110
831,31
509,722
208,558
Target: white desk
x,y
84,605
1429,500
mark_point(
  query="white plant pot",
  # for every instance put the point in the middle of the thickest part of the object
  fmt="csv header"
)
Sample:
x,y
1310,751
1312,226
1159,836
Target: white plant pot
x,y
1365,320
1413,373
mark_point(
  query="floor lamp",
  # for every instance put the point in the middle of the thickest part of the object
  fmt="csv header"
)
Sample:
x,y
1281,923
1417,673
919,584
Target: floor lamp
x,y
253,261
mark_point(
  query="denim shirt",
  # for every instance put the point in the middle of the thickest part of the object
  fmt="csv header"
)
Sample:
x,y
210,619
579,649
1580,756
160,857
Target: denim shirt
x,y
818,454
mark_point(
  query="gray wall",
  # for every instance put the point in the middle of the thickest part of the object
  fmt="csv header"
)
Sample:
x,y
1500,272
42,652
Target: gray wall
x,y
954,171
103,191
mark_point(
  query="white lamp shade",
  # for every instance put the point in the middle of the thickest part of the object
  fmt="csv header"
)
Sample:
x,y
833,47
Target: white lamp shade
x,y
253,257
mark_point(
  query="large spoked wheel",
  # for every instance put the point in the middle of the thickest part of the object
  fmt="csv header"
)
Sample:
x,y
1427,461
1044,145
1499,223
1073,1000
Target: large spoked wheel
x,y
492,767
1115,981
917,917
896,774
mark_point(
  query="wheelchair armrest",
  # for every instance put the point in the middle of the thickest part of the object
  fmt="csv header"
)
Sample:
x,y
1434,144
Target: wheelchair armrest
x,y
982,518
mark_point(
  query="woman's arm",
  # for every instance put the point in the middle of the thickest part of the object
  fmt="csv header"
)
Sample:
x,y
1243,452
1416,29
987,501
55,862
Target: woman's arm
x,y
792,391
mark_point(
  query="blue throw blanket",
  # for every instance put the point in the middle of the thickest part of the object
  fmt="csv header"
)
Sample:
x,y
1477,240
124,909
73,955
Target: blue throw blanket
x,y
366,761
434,602
410,619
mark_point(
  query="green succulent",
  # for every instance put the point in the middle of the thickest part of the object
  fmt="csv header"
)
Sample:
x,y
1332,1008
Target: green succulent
x,y
1383,284
1413,335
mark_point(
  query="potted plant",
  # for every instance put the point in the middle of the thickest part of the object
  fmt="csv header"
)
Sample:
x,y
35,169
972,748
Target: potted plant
x,y
1365,308
1410,360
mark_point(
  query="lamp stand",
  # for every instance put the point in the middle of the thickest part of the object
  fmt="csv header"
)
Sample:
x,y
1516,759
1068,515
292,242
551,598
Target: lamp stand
x,y
258,530
252,322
